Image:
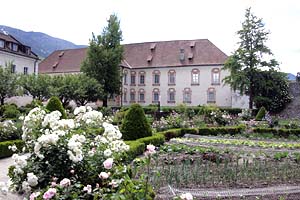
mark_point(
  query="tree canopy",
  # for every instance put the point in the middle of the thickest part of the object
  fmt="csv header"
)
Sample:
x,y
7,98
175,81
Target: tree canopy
x,y
8,82
104,57
251,57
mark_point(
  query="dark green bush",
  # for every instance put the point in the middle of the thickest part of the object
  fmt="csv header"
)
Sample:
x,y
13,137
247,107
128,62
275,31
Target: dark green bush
x,y
172,133
5,152
136,148
193,131
261,114
233,130
232,111
55,104
135,124
278,132
156,139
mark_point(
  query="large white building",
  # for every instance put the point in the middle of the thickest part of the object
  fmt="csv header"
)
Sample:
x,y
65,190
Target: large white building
x,y
169,72
22,58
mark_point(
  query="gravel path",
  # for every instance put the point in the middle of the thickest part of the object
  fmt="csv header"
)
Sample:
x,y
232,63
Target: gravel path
x,y
4,165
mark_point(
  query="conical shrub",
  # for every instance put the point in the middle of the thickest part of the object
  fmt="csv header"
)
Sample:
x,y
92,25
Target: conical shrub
x,y
261,114
55,104
135,124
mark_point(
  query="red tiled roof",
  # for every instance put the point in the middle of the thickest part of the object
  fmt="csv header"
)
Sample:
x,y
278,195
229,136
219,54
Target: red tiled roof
x,y
162,54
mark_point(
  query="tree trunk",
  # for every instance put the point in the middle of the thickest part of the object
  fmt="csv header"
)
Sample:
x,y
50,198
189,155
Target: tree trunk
x,y
104,102
2,101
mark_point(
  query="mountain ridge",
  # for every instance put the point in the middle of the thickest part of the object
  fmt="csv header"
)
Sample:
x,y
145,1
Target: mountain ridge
x,y
42,44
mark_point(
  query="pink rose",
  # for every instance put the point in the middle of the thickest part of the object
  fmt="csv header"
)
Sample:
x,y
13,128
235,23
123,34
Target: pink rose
x,y
88,189
108,163
65,182
34,195
51,192
103,175
150,149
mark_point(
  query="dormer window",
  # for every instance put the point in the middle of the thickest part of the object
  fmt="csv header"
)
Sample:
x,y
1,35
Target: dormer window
x,y
2,43
152,47
27,50
14,47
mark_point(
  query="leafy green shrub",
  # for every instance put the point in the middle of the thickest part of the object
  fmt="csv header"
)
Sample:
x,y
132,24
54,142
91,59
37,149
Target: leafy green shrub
x,y
55,104
233,130
232,111
193,131
118,117
135,124
156,139
261,114
5,152
173,133
278,132
106,111
11,112
136,148
10,130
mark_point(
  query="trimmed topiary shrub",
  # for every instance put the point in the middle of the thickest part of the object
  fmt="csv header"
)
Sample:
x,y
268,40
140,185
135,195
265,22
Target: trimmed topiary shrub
x,y
135,124
55,104
261,114
136,148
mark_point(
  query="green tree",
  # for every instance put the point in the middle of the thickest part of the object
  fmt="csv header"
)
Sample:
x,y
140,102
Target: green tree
x,y
251,56
8,83
104,57
63,87
38,86
87,89
273,91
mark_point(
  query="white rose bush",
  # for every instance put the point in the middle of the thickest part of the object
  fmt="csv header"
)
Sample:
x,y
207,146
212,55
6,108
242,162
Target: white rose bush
x,y
79,158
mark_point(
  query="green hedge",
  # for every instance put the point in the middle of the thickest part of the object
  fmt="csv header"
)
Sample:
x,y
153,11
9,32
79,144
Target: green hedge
x,y
136,148
5,152
232,130
156,139
172,133
278,132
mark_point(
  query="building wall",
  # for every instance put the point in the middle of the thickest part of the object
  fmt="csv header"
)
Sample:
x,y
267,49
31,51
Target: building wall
x,y
19,61
183,80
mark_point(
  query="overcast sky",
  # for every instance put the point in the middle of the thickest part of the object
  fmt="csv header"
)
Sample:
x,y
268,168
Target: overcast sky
x,y
160,20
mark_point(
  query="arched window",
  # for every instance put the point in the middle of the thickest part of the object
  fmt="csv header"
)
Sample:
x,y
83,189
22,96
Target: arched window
x,y
195,77
125,74
125,95
211,95
187,95
156,77
171,95
141,95
215,76
132,95
142,76
171,77
155,95
132,78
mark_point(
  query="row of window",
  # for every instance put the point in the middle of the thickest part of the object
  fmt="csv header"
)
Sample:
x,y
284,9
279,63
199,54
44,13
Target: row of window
x,y
195,77
171,93
13,69
15,47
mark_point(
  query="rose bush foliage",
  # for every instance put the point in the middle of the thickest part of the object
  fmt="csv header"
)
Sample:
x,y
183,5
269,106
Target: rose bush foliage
x,y
64,161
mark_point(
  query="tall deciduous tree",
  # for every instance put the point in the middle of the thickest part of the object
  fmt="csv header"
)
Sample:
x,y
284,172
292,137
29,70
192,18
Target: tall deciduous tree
x,y
104,57
8,83
250,57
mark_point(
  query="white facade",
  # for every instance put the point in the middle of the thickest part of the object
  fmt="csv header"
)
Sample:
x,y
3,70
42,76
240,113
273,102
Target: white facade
x,y
22,63
184,90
